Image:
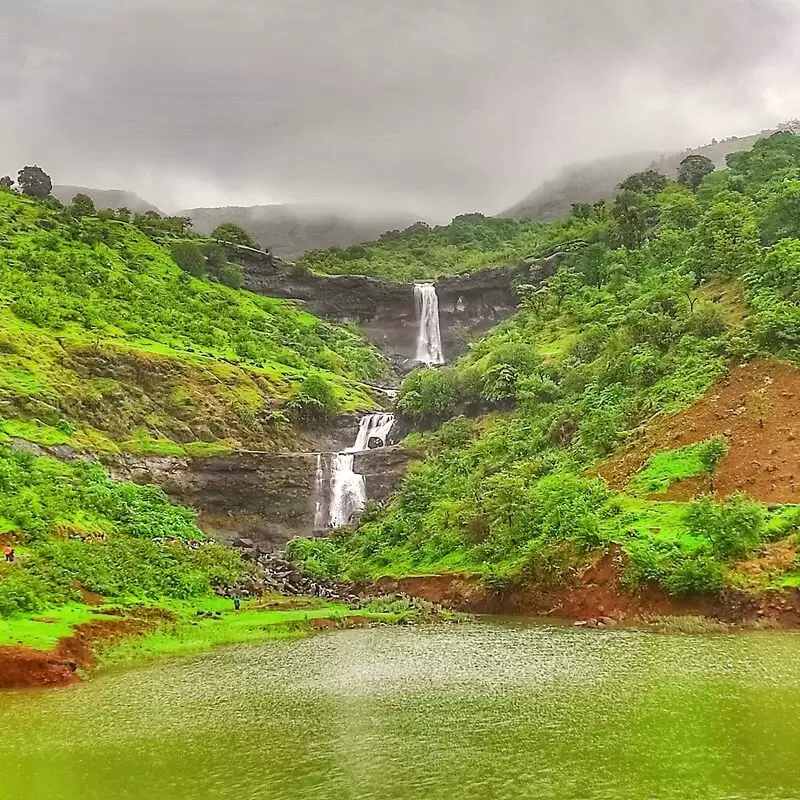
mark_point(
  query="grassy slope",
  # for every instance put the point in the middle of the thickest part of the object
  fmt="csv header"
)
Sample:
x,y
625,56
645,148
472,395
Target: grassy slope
x,y
621,334
103,338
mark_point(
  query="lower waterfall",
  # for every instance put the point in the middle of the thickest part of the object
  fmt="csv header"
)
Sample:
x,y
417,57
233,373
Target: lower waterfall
x,y
348,489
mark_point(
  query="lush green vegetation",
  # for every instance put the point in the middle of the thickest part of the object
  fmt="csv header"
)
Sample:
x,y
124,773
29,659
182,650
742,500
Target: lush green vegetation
x,y
638,320
469,242
75,530
104,337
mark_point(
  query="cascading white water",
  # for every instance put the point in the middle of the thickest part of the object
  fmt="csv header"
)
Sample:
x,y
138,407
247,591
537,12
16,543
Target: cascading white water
x,y
319,492
429,338
348,489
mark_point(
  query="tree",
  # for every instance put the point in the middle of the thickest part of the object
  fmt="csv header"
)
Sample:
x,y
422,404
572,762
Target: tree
x,y
780,218
726,239
6,182
34,181
634,214
189,257
693,169
650,182
234,234
563,283
82,206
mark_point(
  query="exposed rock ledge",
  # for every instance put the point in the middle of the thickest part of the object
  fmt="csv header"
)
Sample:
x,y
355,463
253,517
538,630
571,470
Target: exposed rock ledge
x,y
268,497
384,310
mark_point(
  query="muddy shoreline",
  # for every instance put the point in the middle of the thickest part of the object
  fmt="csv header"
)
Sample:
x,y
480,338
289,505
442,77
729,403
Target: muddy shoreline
x,y
597,593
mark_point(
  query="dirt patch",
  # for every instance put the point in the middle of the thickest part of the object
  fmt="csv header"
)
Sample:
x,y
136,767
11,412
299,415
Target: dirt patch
x,y
757,408
597,593
323,624
776,558
90,598
25,667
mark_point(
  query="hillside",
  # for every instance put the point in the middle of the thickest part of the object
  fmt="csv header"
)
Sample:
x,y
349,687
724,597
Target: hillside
x,y
469,243
105,198
625,364
291,230
598,180
110,351
107,344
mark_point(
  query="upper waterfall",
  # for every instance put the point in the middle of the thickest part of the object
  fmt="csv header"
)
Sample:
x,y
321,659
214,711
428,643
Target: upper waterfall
x,y
429,338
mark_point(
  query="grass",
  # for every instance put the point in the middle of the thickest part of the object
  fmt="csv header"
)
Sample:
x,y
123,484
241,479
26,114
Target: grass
x,y
189,633
665,468
43,630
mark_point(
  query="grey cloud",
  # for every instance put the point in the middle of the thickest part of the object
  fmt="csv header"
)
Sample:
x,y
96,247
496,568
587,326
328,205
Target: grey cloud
x,y
436,106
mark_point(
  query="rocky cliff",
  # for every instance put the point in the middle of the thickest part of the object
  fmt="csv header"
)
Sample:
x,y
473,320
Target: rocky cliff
x,y
267,497
384,310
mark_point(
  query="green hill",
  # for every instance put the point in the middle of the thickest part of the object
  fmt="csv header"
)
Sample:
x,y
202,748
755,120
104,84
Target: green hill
x,y
106,343
668,290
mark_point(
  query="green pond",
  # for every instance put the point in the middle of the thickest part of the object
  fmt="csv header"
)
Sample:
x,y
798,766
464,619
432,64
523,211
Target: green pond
x,y
483,710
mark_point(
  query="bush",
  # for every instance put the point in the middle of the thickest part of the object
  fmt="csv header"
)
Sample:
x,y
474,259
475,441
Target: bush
x,y
231,275
734,529
189,257
315,399
427,395
707,321
698,574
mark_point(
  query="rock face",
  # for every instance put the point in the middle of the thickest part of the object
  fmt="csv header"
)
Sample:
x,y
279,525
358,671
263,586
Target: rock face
x,y
384,469
268,497
385,310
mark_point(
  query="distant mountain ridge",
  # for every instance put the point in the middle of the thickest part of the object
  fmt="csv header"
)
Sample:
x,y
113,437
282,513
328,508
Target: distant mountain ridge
x,y
105,198
292,229
597,180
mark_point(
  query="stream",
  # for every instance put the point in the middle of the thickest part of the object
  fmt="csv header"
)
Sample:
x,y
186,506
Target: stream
x,y
477,711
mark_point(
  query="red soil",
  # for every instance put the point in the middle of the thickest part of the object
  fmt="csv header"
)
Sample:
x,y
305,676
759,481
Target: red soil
x,y
597,593
25,667
757,408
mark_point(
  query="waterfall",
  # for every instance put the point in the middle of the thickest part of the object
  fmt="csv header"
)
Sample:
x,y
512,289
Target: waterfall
x,y
319,493
429,338
348,489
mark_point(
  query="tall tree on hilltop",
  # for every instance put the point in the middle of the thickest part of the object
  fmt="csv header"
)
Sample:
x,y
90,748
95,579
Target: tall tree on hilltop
x,y
234,234
6,182
650,182
34,182
693,169
82,206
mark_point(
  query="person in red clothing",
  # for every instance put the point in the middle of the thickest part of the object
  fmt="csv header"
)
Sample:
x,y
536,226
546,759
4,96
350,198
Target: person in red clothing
x,y
8,551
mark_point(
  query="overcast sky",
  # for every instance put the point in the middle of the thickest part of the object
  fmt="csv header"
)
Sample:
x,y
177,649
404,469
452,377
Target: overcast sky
x,y
434,106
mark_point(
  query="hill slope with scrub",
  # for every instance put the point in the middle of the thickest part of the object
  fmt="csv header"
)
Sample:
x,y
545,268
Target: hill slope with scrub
x,y
659,355
106,343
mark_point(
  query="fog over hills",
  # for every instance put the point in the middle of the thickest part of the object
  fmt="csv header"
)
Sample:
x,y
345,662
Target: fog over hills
x,y
597,180
292,229
105,198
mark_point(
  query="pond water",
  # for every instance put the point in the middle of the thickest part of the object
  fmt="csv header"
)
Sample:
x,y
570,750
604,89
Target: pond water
x,y
483,711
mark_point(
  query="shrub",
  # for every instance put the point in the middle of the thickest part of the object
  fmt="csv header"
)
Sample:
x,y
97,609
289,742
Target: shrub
x,y
231,275
428,395
734,529
695,574
314,399
707,321
189,257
